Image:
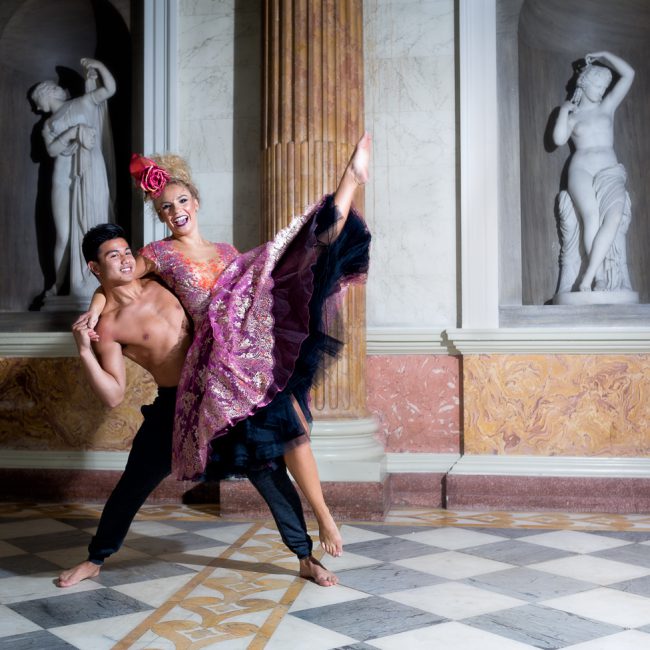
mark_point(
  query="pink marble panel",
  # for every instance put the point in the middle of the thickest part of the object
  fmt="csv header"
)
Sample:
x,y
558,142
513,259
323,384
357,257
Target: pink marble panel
x,y
570,405
416,400
568,494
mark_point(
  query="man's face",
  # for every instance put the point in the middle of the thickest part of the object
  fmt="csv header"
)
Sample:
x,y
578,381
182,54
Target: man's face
x,y
115,263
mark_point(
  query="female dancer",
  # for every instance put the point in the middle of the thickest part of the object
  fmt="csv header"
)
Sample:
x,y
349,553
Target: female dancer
x,y
243,396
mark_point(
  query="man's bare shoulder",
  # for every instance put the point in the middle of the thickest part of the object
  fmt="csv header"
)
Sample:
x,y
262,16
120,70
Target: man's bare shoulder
x,y
155,284
156,292
105,327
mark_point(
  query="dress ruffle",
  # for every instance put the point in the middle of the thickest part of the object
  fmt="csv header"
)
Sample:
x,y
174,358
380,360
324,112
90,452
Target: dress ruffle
x,y
261,344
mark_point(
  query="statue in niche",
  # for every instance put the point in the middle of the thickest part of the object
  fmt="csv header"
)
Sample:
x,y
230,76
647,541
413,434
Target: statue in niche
x,y
594,211
77,135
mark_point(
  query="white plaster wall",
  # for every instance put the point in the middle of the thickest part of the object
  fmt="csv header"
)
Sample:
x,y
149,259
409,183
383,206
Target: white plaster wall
x,y
219,120
411,200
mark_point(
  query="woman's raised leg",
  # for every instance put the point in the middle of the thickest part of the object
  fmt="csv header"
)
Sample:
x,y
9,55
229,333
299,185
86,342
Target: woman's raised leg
x,y
356,174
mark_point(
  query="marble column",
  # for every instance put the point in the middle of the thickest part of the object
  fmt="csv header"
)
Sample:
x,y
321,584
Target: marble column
x,y
313,114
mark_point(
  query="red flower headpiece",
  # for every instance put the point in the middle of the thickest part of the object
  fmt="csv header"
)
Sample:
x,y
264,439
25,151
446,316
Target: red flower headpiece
x,y
151,178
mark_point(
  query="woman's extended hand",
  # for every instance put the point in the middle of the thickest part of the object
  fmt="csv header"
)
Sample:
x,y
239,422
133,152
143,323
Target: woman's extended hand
x,y
87,321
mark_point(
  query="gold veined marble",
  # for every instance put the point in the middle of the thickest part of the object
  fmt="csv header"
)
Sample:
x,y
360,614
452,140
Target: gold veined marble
x,y
564,405
46,404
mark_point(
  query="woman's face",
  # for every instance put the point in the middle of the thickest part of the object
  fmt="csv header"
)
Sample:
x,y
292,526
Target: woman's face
x,y
177,209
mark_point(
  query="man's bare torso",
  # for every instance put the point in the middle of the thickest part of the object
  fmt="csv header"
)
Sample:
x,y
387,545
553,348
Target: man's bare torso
x,y
152,329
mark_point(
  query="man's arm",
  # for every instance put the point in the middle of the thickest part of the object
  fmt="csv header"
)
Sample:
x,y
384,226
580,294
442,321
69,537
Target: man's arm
x,y
103,365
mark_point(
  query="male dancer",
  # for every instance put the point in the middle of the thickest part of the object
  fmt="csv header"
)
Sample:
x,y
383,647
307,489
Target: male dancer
x,y
145,322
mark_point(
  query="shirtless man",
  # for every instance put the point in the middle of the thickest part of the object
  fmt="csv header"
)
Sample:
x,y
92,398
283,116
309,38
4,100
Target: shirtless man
x,y
145,322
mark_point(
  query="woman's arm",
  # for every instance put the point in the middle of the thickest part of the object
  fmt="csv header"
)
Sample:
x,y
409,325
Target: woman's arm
x,y
144,266
622,86
90,317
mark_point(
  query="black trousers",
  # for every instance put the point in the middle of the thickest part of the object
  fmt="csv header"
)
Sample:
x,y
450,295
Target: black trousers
x,y
149,463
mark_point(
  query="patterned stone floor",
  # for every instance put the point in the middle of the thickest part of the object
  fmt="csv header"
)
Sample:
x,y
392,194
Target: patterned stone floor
x,y
187,579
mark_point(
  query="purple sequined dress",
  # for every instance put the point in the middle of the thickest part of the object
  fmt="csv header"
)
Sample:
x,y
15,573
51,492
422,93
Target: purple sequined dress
x,y
258,339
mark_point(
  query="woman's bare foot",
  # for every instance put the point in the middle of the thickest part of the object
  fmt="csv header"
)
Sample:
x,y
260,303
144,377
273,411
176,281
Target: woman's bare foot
x,y
359,165
78,573
312,569
329,536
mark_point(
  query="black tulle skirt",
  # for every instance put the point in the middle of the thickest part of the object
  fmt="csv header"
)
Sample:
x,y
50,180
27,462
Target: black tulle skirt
x,y
299,297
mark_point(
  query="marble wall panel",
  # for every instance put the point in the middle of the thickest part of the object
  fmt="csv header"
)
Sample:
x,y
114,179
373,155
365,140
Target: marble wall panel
x,y
47,404
411,201
564,405
416,400
219,109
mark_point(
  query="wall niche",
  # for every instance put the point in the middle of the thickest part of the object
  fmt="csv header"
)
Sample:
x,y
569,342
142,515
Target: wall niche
x,y
537,43
40,40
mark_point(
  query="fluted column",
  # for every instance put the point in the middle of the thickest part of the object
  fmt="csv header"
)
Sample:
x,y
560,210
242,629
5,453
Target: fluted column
x,y
312,118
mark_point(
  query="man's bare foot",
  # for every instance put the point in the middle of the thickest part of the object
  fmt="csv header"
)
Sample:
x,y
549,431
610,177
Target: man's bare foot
x,y
312,569
359,165
329,536
78,573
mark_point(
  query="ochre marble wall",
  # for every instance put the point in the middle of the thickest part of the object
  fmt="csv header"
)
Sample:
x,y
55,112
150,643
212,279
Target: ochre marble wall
x,y
564,405
46,404
416,400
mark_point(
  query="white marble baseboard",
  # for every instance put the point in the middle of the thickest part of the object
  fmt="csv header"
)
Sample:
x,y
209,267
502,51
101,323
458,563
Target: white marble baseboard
x,y
558,466
396,463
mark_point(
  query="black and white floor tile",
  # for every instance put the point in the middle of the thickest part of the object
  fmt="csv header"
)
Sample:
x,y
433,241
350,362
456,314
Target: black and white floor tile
x,y
187,579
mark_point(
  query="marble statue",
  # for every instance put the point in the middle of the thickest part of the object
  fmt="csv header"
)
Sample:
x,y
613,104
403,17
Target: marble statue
x,y
594,211
81,197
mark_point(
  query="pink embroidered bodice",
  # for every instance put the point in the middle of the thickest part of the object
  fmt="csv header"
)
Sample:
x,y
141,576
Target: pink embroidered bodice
x,y
191,281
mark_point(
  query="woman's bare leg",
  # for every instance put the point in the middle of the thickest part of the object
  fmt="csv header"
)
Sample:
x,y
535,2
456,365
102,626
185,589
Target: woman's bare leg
x,y
301,464
356,174
300,460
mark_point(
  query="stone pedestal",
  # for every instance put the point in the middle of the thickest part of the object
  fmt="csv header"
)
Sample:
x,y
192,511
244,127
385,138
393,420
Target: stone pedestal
x,y
622,297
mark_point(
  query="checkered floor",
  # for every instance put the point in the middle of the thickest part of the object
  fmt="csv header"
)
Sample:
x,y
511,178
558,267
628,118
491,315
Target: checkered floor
x,y
427,579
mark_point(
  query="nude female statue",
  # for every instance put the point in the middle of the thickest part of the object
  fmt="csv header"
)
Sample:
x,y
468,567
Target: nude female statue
x,y
596,180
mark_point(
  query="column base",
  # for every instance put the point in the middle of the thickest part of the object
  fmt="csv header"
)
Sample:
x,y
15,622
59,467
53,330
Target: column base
x,y
346,450
238,498
350,461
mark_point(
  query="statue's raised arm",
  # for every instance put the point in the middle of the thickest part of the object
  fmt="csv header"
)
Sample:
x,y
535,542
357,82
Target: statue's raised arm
x,y
93,68
625,71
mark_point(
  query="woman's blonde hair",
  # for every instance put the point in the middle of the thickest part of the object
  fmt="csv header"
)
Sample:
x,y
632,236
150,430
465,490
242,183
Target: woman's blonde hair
x,y
179,172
